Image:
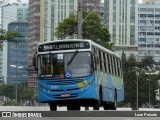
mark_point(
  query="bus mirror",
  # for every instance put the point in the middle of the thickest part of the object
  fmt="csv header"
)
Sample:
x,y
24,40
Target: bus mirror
x,y
34,62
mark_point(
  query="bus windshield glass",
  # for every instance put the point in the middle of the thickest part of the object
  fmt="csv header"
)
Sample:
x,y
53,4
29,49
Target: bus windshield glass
x,y
56,66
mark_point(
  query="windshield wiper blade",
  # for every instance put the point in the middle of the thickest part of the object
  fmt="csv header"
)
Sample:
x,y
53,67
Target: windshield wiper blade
x,y
72,58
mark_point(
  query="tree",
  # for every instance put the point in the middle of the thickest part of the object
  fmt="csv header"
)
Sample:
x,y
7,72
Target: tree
x,y
130,81
7,90
9,36
26,94
91,29
147,61
129,77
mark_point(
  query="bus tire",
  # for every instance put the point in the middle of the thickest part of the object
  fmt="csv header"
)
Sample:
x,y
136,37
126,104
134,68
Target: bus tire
x,y
96,105
106,106
73,107
114,105
100,96
53,107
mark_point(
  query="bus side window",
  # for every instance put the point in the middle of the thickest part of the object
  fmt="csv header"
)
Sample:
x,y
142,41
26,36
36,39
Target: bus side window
x,y
115,65
100,60
93,64
109,67
110,64
97,60
118,65
107,63
104,63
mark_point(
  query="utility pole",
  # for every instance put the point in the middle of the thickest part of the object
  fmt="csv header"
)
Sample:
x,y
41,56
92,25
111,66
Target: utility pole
x,y
79,34
80,19
149,89
137,73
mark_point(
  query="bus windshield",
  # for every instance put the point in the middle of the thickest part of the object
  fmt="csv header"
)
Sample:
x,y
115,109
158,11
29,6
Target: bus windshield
x,y
56,65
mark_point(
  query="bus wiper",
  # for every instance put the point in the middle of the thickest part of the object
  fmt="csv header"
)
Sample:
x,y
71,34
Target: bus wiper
x,y
72,58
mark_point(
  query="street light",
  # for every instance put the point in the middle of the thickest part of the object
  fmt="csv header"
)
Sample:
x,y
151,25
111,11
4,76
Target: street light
x,y
16,67
149,86
137,74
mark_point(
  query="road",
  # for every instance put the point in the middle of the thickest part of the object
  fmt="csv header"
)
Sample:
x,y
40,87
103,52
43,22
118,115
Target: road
x,y
46,108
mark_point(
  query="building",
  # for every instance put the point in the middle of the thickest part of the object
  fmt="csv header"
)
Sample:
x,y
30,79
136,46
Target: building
x,y
91,5
34,27
13,12
157,2
149,31
55,11
44,16
9,13
17,55
120,18
102,13
34,38
150,1
94,6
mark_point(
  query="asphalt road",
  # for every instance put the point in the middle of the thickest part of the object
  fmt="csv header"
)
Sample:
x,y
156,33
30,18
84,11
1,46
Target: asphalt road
x,y
46,108
63,114
43,108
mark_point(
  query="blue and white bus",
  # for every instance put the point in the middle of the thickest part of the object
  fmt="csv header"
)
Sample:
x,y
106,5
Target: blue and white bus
x,y
78,72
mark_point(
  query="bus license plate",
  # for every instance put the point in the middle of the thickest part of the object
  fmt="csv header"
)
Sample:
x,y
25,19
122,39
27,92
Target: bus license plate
x,y
65,95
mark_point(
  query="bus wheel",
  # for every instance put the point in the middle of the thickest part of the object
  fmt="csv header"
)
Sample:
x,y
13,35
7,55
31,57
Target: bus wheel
x,y
96,105
53,107
72,107
106,106
114,105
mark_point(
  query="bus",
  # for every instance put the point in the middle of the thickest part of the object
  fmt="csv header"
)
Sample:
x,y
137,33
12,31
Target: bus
x,y
78,72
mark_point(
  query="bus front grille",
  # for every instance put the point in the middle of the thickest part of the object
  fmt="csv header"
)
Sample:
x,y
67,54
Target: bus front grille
x,y
70,96
67,89
63,82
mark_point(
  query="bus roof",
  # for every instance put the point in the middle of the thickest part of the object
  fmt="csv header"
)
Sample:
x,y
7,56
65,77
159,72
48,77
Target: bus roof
x,y
90,41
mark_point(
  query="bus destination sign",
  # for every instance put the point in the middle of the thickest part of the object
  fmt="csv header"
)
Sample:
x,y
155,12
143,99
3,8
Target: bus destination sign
x,y
63,46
